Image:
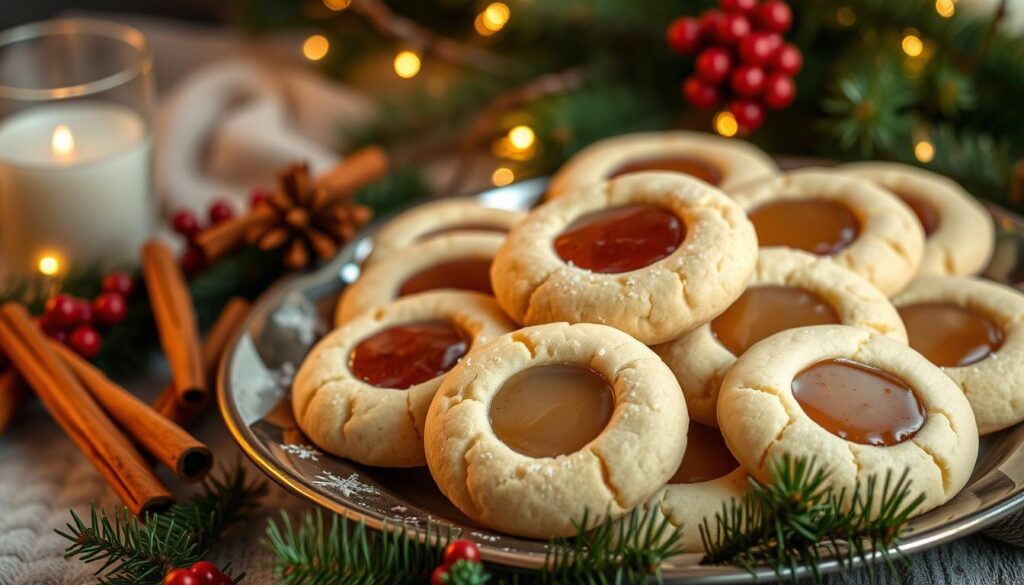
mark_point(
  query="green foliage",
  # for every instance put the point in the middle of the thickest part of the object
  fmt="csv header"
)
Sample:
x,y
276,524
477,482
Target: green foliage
x,y
798,519
134,552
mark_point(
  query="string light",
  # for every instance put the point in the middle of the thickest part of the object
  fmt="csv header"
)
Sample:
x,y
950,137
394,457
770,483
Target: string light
x,y
316,47
492,19
725,124
502,176
521,137
945,8
49,265
913,46
924,151
407,64
337,5
846,16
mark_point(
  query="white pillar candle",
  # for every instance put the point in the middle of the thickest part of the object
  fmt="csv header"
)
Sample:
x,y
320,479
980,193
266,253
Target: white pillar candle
x,y
75,185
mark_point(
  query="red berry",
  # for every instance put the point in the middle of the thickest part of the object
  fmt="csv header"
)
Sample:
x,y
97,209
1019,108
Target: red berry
x,y
710,22
749,114
62,311
181,577
788,60
110,307
779,91
60,336
748,80
713,64
185,223
193,261
758,48
700,94
220,211
775,16
459,550
84,311
683,35
86,341
207,573
733,28
738,5
258,196
119,282
439,576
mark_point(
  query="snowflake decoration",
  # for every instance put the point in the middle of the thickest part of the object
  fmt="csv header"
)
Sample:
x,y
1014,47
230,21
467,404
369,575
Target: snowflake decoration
x,y
307,452
347,486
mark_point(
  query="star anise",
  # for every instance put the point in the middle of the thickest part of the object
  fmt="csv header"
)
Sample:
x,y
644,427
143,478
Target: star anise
x,y
305,218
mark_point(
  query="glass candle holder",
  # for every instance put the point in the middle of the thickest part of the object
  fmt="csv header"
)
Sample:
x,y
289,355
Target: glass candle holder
x,y
76,180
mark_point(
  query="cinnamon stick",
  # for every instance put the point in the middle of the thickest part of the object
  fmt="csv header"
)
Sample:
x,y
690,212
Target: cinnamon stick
x,y
167,442
356,170
12,393
216,342
79,414
175,322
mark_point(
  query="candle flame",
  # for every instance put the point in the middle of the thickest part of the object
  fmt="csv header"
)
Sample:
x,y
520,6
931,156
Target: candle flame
x,y
63,142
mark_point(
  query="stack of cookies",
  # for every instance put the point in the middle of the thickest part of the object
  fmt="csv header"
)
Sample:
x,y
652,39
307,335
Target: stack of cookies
x,y
678,314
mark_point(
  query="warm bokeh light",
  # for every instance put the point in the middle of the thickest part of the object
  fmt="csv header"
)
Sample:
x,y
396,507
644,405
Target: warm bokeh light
x,y
62,142
846,16
521,137
945,8
924,151
502,176
337,5
407,64
316,47
49,265
725,124
913,46
496,16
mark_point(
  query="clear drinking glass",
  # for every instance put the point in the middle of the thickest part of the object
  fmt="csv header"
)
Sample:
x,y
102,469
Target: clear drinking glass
x,y
76,112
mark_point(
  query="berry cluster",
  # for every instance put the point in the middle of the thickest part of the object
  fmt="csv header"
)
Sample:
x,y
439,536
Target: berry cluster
x,y
741,58
75,321
187,225
457,551
200,573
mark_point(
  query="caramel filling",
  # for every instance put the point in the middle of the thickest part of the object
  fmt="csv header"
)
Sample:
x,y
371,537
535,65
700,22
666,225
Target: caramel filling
x,y
817,226
464,274
859,403
763,311
926,213
694,167
464,227
949,335
706,457
552,409
620,239
402,356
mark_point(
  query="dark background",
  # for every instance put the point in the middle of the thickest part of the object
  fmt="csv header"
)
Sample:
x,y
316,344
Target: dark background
x,y
14,12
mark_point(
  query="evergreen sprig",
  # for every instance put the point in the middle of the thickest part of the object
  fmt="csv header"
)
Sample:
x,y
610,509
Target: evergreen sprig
x,y
798,518
140,552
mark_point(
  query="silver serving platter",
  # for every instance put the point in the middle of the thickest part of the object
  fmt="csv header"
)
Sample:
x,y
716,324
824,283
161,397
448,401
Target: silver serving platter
x,y
255,378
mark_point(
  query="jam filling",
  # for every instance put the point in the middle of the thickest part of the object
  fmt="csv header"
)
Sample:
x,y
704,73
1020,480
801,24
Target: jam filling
x,y
926,214
859,403
950,335
465,274
706,457
816,226
551,409
402,356
463,227
694,167
763,311
620,239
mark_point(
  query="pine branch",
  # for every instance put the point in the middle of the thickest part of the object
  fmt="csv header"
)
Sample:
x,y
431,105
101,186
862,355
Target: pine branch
x,y
134,552
797,517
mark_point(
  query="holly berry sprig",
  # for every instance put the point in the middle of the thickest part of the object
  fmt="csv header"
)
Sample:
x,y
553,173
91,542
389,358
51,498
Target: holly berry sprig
x,y
460,565
77,322
187,225
199,573
741,58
